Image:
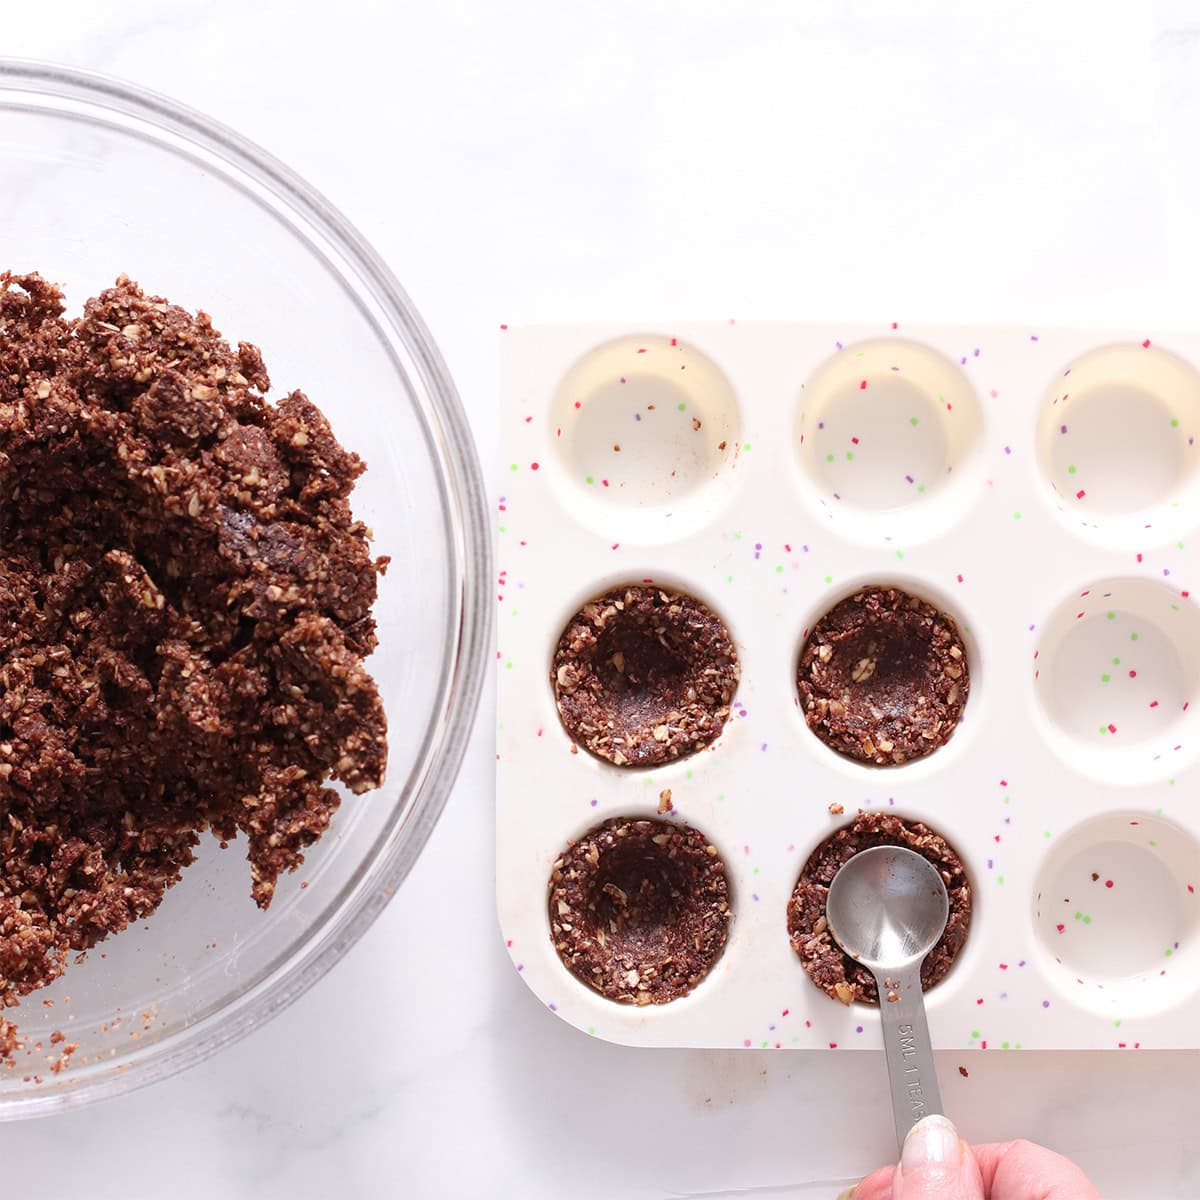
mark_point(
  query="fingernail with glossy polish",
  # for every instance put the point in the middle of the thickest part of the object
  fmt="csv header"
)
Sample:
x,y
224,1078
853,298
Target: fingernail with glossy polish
x,y
931,1141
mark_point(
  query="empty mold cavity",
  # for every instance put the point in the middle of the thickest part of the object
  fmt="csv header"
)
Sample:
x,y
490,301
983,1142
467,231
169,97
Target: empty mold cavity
x,y
1115,909
1115,674
640,909
1116,442
645,432
644,675
887,438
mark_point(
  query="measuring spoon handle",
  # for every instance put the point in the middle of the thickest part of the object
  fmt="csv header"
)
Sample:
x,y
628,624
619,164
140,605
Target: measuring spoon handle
x,y
911,1068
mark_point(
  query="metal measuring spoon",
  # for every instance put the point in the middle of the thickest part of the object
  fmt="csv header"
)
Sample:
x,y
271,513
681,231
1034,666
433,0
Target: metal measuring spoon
x,y
887,907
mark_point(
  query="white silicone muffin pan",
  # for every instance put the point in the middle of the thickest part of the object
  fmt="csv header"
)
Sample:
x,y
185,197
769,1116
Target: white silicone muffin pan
x,y
1040,486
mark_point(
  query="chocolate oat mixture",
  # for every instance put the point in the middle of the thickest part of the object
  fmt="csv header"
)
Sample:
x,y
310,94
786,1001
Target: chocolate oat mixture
x,y
828,966
643,675
883,677
185,605
639,909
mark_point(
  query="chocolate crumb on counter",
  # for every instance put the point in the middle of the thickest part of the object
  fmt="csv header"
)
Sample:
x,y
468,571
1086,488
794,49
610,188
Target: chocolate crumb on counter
x,y
829,967
643,675
963,1072
883,677
639,909
185,606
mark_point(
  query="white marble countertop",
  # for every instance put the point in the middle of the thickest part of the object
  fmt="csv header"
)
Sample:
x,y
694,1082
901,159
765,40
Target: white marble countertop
x,y
528,161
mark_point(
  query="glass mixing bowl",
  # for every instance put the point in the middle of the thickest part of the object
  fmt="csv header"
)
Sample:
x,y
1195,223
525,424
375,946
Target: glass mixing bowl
x,y
99,178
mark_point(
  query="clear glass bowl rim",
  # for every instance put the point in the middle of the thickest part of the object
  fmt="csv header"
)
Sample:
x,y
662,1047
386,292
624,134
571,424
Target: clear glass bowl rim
x,y
469,558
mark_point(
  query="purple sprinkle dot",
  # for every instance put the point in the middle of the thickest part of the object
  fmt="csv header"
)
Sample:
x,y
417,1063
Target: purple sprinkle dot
x,y
1166,570
754,896
622,378
962,362
989,864
1033,337
1003,995
976,351
857,1028
1022,962
1007,449
758,545
770,1028
838,345
804,548
1045,1003
552,1007
763,746
909,478
820,424
595,802
891,801
520,966
836,496
637,416
1062,429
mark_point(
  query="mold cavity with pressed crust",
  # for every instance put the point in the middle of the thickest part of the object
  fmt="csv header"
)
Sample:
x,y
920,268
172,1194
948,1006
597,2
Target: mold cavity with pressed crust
x,y
640,909
827,965
644,675
883,677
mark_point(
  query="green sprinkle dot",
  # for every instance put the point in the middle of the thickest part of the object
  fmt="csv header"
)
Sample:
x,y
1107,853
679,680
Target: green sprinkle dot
x,y
920,487
1103,728
591,1031
1079,916
728,578
1006,800
682,406
764,1045
1071,470
1017,1046
779,569
1105,678
1003,1045
899,553
1045,833
941,399
514,467
1117,1023
720,797
1087,920
1167,953
829,458
975,1033
1133,637
1178,545
1171,782
1112,616
1116,662
737,537
828,578
502,528
1000,879
745,445
913,421
508,665
755,872
849,455
515,613
1174,422
588,479
1151,842
1016,516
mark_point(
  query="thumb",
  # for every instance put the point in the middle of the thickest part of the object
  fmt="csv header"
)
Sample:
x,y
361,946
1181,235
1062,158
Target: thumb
x,y
936,1164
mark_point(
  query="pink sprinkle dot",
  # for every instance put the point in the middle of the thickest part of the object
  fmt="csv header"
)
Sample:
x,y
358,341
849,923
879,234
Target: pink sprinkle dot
x,y
1108,883
746,1042
1146,344
534,466
862,387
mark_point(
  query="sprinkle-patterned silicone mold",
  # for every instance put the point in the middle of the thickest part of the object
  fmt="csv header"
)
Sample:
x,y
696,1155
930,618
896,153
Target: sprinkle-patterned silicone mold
x,y
1041,486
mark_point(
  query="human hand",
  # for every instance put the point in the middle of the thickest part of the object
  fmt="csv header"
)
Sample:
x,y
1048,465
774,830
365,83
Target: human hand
x,y
936,1164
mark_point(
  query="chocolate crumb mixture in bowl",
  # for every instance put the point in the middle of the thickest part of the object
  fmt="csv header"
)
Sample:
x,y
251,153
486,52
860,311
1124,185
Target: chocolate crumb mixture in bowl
x,y
639,909
644,675
225,734
828,966
883,677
